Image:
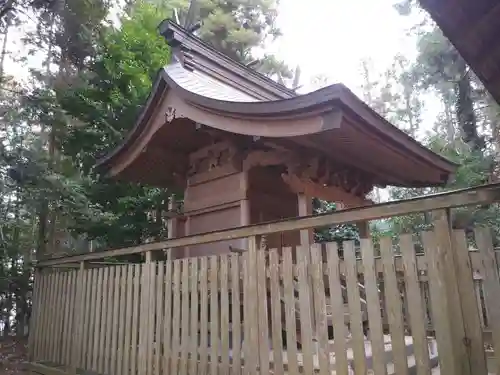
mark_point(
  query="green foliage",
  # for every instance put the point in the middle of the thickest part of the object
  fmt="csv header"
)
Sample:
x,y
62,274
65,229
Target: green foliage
x,y
105,106
234,27
337,233
114,88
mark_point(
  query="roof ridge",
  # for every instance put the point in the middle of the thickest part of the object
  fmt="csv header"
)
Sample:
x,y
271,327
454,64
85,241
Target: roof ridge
x,y
193,53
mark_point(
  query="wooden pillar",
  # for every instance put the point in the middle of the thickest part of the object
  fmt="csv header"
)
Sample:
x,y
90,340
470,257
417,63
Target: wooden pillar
x,y
172,222
364,229
363,226
305,209
447,304
244,219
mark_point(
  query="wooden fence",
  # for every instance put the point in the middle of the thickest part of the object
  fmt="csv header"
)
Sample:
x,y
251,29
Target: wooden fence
x,y
176,316
279,311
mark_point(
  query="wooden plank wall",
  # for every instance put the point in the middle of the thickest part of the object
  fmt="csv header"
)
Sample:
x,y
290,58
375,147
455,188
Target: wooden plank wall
x,y
251,313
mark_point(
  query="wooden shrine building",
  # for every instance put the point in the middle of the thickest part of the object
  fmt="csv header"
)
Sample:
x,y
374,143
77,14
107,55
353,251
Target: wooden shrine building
x,y
246,150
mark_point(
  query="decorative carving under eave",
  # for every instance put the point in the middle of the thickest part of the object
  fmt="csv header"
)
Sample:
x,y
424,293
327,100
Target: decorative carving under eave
x,y
328,193
214,156
317,171
322,172
170,114
319,177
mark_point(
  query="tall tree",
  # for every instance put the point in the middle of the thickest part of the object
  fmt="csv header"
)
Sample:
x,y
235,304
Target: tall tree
x,y
235,28
105,105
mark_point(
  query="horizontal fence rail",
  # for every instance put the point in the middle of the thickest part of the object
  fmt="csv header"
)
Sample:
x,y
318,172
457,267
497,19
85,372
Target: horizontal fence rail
x,y
474,196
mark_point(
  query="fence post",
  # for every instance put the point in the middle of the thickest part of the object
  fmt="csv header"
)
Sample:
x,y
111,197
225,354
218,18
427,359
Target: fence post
x,y
446,265
471,312
491,286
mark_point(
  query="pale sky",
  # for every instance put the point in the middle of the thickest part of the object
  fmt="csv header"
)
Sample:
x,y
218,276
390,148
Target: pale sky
x,y
330,37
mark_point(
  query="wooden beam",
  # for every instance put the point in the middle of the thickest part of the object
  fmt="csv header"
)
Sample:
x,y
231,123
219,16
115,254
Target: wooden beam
x,y
480,34
38,368
480,195
264,158
327,193
473,196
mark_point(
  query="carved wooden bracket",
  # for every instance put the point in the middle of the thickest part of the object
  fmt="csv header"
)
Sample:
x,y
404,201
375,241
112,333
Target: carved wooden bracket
x,y
322,172
329,193
213,156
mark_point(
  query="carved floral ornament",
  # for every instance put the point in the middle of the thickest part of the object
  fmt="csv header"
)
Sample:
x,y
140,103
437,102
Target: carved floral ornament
x,y
171,114
212,157
317,170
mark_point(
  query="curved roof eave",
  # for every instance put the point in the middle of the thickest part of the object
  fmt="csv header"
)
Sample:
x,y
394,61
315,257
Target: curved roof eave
x,y
316,102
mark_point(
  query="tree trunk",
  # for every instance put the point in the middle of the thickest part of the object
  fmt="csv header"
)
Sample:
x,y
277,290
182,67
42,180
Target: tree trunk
x,y
4,51
465,108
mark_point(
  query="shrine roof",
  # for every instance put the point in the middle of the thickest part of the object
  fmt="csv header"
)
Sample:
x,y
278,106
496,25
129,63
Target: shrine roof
x,y
203,88
473,28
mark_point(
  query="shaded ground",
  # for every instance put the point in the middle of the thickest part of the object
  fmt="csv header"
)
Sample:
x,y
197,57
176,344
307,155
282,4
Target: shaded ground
x,y
12,355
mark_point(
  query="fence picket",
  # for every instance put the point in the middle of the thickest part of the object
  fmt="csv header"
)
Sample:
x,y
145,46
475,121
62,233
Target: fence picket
x,y
176,306
203,316
491,286
98,331
159,313
127,344
337,307
373,308
236,322
354,307
183,364
261,307
214,316
415,308
440,317
306,335
136,299
193,282
115,322
290,312
393,306
167,329
276,317
224,314
87,324
319,298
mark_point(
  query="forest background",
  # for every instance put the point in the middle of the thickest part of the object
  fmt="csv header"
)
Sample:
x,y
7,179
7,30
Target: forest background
x,y
94,65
